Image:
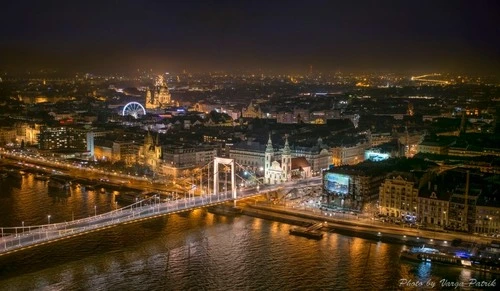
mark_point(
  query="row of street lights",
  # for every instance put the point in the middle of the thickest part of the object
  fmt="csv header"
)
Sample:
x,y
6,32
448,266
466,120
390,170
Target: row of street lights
x,y
49,216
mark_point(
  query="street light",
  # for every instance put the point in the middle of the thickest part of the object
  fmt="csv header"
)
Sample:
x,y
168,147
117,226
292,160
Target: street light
x,y
48,218
95,210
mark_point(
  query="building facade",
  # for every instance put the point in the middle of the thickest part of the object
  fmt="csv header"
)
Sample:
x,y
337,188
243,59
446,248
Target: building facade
x,y
487,219
433,207
126,151
349,155
398,197
249,154
62,138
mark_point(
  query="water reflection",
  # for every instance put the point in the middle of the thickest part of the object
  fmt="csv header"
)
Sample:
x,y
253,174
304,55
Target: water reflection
x,y
30,200
196,250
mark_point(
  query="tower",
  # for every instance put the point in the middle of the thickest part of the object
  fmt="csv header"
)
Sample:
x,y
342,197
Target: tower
x,y
157,146
151,151
150,102
268,156
286,162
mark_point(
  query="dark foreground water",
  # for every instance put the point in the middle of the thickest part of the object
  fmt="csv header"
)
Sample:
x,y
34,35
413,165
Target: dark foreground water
x,y
197,251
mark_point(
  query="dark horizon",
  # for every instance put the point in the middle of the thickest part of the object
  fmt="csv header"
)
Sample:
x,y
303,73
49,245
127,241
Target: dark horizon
x,y
281,36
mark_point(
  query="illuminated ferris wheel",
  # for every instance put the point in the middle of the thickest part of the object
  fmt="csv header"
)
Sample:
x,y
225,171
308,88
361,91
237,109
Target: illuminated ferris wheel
x,y
134,109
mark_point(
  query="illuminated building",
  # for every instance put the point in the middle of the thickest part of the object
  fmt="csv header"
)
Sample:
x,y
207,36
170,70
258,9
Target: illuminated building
x,y
7,135
62,138
125,151
275,171
317,156
103,150
160,96
252,155
252,111
349,155
487,217
398,197
360,185
150,152
177,158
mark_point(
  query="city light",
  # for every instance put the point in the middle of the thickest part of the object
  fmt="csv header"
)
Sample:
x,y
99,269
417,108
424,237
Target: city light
x,y
269,142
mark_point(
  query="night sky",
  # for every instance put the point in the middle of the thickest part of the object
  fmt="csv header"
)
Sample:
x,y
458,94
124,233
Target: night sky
x,y
280,36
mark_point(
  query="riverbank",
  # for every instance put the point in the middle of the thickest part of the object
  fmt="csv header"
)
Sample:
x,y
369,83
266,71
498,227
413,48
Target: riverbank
x,y
362,228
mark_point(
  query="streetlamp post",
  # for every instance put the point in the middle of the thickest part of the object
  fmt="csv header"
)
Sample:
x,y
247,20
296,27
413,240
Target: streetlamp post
x,y
48,218
95,210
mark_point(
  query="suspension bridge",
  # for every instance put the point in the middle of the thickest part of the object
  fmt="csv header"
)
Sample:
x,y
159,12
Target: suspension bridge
x,y
14,239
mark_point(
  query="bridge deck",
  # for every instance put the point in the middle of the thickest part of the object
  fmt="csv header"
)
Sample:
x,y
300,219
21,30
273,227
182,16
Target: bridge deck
x,y
15,239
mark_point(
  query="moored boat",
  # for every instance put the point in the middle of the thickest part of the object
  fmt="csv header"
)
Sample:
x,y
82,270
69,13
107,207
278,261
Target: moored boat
x,y
425,254
313,234
58,183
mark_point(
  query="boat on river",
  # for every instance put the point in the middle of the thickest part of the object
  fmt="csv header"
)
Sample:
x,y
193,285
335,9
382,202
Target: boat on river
x,y
304,232
58,183
425,254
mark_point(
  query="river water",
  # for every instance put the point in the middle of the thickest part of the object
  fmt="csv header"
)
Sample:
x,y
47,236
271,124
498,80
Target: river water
x,y
196,250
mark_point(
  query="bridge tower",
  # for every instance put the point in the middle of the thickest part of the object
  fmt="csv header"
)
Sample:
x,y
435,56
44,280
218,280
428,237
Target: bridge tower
x,y
224,161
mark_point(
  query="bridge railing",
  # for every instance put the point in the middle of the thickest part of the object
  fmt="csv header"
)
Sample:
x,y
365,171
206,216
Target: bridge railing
x,y
15,238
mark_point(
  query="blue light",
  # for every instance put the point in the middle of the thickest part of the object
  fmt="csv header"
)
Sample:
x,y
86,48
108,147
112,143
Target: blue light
x,y
463,254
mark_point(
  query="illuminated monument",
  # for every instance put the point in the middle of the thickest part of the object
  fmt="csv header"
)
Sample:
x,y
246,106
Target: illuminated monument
x,y
160,97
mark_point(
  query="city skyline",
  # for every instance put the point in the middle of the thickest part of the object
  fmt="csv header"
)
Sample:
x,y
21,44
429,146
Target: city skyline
x,y
282,36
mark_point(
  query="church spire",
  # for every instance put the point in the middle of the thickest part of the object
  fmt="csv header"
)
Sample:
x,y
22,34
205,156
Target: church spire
x,y
286,149
269,147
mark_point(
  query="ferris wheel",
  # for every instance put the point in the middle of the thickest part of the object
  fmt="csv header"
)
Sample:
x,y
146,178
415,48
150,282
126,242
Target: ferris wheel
x,y
134,109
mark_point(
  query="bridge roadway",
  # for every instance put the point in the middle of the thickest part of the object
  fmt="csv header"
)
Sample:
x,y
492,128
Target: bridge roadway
x,y
19,238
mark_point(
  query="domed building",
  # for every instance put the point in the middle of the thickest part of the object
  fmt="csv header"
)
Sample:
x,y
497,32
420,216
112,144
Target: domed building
x,y
160,96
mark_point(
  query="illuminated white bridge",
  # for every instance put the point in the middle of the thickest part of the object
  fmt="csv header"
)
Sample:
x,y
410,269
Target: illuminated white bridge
x,y
14,239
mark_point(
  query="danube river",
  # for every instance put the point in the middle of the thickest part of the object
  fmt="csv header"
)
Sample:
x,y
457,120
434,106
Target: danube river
x,y
195,251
